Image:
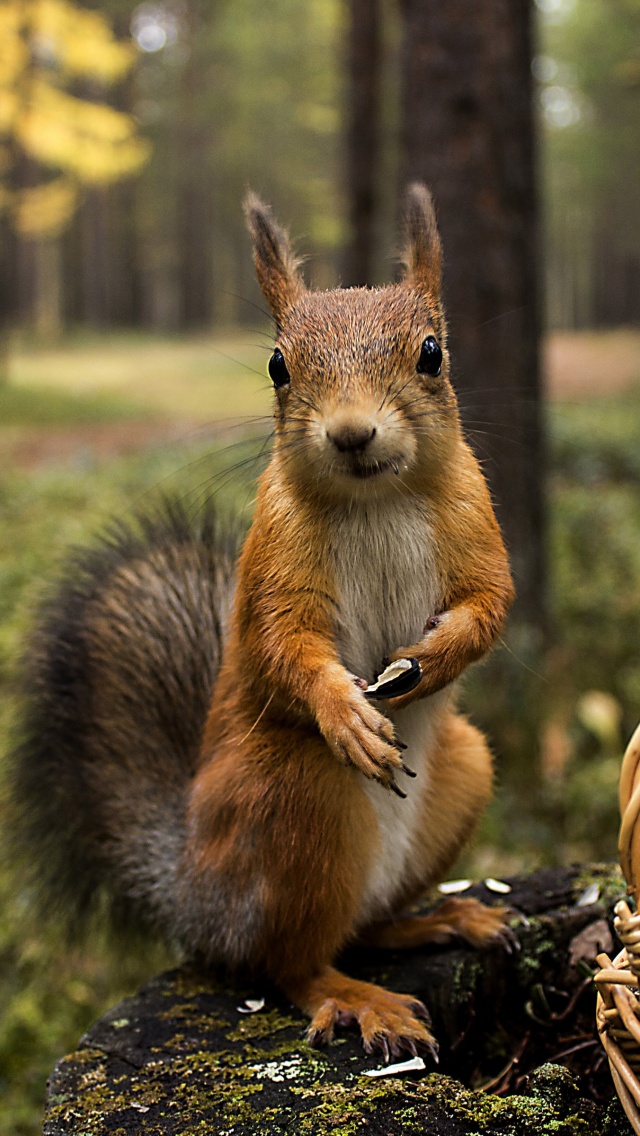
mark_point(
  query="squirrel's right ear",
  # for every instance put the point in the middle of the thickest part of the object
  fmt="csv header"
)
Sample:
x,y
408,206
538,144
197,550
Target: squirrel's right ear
x,y
422,253
274,260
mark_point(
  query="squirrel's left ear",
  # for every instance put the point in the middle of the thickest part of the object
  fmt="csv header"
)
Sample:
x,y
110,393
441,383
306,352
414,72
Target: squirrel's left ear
x,y
422,253
275,263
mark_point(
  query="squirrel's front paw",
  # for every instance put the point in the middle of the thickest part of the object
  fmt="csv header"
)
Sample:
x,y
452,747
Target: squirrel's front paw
x,y
360,735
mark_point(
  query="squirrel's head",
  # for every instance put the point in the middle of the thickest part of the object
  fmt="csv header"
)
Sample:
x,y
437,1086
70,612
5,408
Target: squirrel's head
x,y
361,376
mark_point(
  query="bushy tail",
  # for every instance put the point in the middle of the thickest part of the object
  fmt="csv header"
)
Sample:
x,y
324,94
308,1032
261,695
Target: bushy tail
x,y
119,679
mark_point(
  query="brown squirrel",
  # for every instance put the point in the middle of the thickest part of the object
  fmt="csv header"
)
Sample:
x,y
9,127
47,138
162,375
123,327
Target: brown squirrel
x,y
198,741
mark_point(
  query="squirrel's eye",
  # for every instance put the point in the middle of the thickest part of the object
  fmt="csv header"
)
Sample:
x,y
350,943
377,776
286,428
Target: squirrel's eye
x,y
430,361
278,369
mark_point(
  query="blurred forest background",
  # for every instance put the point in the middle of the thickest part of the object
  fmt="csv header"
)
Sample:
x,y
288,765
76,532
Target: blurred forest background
x,y
133,345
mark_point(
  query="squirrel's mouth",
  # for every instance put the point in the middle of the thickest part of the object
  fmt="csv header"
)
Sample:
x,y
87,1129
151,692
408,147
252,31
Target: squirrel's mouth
x,y
365,469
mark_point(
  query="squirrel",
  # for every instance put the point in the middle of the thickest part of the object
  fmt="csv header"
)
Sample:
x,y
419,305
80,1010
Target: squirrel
x,y
197,742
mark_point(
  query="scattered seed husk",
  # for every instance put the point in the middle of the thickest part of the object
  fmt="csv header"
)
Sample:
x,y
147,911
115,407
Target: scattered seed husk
x,y
497,885
392,1070
251,1006
591,894
450,887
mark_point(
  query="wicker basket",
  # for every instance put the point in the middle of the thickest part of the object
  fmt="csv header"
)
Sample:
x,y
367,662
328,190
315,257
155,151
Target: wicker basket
x,y
618,981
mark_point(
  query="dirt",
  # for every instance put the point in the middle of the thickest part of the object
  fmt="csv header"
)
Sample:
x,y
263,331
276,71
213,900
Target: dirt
x,y
591,364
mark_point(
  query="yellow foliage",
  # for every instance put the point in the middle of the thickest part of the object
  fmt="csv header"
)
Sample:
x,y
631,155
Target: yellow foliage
x,y
80,42
45,209
73,40
44,44
93,141
14,53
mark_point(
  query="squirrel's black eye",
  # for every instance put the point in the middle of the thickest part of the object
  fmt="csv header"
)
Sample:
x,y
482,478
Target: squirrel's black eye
x,y
278,369
430,361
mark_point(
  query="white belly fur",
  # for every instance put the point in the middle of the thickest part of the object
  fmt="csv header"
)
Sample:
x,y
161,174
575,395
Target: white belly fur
x,y
387,581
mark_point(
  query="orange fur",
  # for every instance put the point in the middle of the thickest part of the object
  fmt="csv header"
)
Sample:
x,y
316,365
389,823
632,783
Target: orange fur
x,y
279,808
466,918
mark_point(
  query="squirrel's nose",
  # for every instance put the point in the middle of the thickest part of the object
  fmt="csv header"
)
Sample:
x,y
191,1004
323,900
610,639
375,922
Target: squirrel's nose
x,y
351,437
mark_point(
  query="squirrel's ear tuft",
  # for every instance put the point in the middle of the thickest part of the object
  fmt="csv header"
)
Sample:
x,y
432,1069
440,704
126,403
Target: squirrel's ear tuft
x,y
275,263
422,254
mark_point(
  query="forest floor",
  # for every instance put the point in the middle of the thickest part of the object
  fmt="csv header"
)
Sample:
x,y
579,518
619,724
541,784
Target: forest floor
x,y
92,399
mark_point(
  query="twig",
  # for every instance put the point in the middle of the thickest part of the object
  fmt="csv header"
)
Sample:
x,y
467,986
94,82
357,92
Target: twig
x,y
496,1083
574,1049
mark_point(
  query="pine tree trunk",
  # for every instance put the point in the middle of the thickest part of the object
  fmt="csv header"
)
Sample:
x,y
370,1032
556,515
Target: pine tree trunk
x,y
468,132
95,259
47,300
195,190
8,295
364,52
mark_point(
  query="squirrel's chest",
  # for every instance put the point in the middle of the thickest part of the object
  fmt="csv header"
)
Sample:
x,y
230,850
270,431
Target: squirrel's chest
x,y
386,581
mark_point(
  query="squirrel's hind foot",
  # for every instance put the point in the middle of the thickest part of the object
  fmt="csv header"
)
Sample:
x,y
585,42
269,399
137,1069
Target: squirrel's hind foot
x,y
391,1024
468,919
476,923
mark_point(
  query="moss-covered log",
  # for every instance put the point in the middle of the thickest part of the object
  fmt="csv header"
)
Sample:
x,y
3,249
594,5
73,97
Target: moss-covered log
x,y
180,1058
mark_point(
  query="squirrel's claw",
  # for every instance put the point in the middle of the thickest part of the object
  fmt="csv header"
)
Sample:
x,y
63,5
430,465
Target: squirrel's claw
x,y
508,940
395,788
409,772
420,1011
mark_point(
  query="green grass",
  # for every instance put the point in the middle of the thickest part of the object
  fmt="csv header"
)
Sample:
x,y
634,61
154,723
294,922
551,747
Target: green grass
x,y
211,377
48,995
29,406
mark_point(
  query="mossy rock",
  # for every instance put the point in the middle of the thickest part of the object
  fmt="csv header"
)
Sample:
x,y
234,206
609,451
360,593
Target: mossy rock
x,y
180,1058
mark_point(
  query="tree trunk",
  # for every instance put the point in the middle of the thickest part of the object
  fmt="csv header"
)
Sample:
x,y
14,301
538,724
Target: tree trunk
x,y
467,128
180,1057
47,298
195,190
8,295
95,259
362,136
196,266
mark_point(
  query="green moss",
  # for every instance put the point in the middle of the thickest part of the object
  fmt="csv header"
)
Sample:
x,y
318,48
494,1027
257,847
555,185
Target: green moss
x,y
263,1025
291,1088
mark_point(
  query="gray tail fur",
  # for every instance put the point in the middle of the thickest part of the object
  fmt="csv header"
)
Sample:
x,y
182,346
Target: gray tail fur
x,y
118,683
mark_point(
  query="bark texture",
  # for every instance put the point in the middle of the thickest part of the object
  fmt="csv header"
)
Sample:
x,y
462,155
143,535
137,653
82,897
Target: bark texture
x,y
467,127
364,59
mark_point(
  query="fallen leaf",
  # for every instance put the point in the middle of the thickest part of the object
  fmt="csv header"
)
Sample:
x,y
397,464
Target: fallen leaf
x,y
589,942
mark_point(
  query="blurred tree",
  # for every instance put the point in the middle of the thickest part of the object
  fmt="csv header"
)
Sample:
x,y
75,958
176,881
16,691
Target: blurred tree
x,y
467,122
362,114
230,95
57,133
195,193
588,71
